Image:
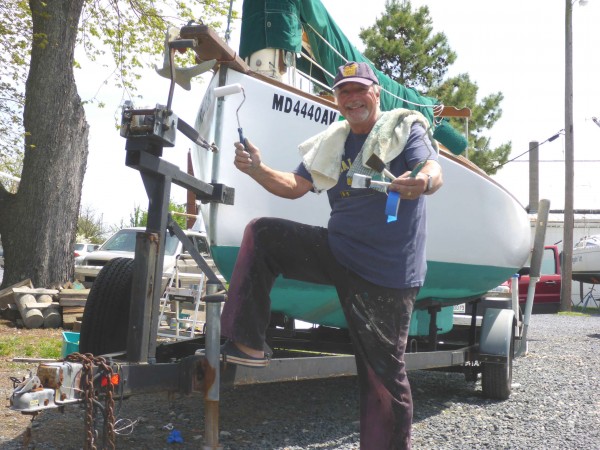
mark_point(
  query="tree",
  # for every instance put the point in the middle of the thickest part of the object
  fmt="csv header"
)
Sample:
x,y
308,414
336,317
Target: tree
x,y
460,90
139,217
38,223
401,45
90,227
14,51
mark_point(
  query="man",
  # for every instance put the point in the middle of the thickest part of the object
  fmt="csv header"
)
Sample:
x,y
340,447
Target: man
x,y
376,263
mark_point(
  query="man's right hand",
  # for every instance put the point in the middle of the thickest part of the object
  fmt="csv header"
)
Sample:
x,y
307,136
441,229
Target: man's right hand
x,y
247,158
282,184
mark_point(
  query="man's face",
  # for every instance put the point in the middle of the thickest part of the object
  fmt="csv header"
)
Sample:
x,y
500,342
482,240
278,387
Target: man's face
x,y
359,104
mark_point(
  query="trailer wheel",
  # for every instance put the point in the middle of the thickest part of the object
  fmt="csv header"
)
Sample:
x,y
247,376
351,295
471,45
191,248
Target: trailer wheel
x,y
496,378
106,314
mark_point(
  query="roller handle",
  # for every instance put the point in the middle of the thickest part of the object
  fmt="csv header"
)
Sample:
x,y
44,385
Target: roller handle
x,y
242,138
417,169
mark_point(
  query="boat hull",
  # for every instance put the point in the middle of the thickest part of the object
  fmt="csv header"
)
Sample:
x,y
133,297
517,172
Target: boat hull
x,y
478,235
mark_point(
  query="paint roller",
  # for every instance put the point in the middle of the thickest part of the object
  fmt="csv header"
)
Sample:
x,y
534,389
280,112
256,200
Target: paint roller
x,y
450,138
230,89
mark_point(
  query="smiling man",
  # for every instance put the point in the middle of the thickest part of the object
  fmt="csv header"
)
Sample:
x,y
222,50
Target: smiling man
x,y
376,262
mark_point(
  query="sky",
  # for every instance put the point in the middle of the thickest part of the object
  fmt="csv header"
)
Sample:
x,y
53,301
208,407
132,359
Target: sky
x,y
516,47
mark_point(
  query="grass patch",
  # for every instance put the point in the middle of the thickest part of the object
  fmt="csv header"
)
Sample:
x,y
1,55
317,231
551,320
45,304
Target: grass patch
x,y
30,346
579,311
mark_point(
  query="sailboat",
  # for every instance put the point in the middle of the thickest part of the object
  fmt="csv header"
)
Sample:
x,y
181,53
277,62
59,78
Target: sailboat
x,y
586,260
478,233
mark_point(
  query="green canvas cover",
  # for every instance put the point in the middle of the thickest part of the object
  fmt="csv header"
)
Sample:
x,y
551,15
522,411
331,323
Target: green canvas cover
x,y
279,24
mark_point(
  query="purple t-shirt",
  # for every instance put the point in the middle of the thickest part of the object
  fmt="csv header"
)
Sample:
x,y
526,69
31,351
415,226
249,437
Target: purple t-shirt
x,y
390,254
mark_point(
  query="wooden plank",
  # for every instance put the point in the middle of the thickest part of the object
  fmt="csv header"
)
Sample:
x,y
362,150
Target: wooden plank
x,y
452,111
7,294
35,291
210,46
73,310
78,293
66,302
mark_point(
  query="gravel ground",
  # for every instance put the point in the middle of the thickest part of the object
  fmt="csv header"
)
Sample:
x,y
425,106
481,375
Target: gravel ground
x,y
555,404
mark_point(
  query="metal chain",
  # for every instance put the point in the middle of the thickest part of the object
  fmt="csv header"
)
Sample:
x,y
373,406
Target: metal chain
x,y
88,361
109,419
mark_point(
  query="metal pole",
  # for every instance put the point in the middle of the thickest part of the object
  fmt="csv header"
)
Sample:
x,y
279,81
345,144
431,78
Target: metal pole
x,y
534,176
567,259
213,381
535,269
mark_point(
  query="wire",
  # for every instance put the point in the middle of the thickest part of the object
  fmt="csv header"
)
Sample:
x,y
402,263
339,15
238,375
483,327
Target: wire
x,y
312,61
124,426
550,139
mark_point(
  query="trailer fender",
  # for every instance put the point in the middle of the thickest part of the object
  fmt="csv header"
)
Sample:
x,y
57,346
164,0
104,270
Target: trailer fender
x,y
496,333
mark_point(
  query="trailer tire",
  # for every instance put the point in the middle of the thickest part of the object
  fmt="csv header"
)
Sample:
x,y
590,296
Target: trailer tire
x,y
105,320
496,378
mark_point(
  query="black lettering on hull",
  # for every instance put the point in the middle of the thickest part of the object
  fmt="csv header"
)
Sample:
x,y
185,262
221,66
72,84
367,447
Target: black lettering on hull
x,y
315,113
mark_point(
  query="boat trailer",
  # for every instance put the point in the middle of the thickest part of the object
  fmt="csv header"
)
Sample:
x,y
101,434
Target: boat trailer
x,y
140,364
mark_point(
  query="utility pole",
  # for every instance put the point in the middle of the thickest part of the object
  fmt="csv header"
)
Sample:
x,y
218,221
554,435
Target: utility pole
x,y
567,259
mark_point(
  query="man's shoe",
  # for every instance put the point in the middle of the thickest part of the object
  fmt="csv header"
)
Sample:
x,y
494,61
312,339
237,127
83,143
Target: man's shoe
x,y
231,353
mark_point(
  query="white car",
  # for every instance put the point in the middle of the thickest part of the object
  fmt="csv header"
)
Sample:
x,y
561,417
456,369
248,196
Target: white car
x,y
83,248
122,244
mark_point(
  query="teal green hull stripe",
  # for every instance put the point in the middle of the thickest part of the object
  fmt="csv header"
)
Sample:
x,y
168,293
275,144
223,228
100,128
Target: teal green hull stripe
x,y
314,303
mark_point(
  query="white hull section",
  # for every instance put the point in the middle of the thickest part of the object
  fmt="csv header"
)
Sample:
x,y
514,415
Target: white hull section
x,y
472,220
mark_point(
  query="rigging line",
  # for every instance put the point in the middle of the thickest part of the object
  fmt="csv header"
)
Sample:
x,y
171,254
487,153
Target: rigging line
x,y
314,80
561,161
550,139
345,60
328,44
312,61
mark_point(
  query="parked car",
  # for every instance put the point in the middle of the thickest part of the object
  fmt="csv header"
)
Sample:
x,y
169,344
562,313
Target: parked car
x,y
122,244
81,248
546,299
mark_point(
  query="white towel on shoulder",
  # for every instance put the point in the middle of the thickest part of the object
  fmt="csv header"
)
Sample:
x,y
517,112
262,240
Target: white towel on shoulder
x,y
322,153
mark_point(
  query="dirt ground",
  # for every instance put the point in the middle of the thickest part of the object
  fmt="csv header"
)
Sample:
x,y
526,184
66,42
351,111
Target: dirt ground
x,y
13,426
145,421
251,417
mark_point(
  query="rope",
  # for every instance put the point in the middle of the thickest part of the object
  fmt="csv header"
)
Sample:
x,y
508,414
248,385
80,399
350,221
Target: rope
x,y
312,61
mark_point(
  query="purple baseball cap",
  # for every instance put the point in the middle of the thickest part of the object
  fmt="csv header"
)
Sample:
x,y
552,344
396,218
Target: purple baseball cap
x,y
356,73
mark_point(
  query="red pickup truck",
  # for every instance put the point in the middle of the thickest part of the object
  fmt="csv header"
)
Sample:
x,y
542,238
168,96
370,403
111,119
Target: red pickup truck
x,y
547,290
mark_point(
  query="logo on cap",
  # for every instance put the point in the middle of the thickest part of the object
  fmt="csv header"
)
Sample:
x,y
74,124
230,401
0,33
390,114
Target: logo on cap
x,y
350,70
357,72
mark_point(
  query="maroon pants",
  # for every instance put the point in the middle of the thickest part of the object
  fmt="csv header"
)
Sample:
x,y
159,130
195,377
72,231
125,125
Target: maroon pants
x,y
378,318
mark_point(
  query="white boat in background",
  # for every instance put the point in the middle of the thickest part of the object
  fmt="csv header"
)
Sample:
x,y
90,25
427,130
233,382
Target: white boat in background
x,y
479,234
586,260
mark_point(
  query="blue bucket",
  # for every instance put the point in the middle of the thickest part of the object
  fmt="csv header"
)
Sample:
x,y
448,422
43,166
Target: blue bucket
x,y
70,343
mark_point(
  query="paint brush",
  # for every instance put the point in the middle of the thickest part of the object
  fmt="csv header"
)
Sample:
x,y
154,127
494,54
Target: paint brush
x,y
377,164
363,181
